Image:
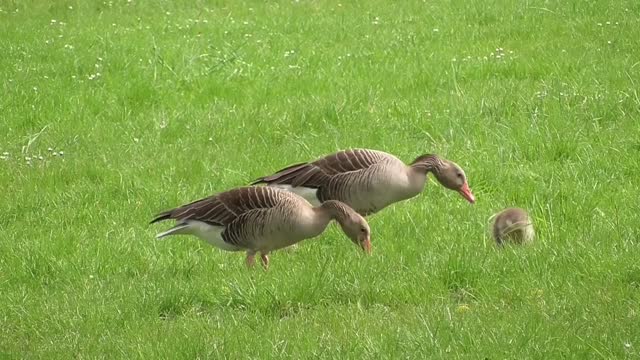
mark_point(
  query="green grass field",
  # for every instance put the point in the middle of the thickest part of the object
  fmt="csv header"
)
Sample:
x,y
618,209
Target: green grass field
x,y
113,111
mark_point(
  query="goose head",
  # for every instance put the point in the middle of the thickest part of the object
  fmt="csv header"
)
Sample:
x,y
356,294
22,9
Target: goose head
x,y
357,229
451,176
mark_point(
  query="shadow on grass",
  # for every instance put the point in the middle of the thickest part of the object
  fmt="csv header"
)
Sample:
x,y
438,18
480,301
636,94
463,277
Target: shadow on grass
x,y
173,307
461,283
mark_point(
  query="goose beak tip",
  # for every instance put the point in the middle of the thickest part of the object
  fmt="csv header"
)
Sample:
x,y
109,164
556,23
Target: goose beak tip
x,y
465,191
366,246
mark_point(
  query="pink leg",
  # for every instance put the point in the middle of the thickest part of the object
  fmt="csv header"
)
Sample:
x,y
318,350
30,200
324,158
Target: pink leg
x,y
251,259
265,260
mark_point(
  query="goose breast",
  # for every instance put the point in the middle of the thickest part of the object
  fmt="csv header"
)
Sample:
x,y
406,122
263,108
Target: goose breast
x,y
375,188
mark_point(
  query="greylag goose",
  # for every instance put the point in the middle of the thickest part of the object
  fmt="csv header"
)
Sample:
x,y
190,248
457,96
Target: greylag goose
x,y
367,180
262,219
513,225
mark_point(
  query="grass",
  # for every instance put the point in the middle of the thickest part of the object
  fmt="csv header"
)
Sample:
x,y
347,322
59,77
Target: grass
x,y
156,103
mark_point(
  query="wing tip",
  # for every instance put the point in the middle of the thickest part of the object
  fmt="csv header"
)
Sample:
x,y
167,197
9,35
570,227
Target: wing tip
x,y
258,181
161,217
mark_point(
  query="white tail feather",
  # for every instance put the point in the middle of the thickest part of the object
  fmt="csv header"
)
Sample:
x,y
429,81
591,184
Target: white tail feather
x,y
176,230
209,233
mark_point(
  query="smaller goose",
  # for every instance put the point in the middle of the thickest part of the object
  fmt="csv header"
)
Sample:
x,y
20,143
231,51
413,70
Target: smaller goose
x,y
262,219
367,180
513,225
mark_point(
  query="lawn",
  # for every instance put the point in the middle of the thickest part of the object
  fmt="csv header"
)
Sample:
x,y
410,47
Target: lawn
x,y
113,111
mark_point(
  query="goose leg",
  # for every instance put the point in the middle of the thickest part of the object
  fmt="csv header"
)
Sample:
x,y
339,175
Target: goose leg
x,y
265,260
251,259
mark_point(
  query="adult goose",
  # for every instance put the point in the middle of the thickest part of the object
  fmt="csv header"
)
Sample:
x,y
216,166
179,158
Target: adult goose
x,y
262,219
513,225
367,180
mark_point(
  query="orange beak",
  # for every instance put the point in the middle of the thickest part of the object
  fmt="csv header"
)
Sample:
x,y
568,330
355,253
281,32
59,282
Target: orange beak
x,y
466,193
366,245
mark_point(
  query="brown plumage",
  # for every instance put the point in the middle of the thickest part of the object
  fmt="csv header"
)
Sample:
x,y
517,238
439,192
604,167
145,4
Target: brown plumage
x,y
512,225
367,180
261,219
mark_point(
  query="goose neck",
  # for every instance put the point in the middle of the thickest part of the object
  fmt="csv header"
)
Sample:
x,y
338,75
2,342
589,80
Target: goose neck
x,y
335,210
428,163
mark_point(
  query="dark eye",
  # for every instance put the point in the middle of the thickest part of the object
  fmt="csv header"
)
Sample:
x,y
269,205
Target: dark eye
x,y
363,230
459,175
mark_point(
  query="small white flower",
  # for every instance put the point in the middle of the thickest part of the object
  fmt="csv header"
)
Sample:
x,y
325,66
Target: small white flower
x,y
27,158
61,153
436,30
608,22
53,21
599,24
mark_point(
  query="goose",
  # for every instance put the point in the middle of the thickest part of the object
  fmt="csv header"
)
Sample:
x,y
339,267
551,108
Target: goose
x,y
513,225
261,219
367,180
